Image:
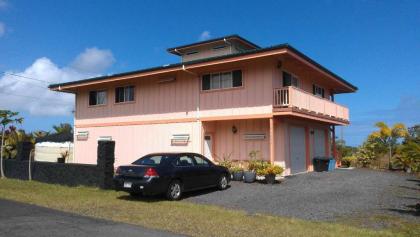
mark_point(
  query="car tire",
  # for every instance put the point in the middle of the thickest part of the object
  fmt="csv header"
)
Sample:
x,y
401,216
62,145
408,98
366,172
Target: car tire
x,y
174,191
223,182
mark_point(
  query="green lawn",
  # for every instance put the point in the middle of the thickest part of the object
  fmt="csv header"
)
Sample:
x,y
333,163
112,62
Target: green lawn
x,y
179,217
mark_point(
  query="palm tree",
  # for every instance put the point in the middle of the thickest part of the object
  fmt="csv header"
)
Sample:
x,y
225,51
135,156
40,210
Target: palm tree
x,y
387,137
7,117
63,128
40,134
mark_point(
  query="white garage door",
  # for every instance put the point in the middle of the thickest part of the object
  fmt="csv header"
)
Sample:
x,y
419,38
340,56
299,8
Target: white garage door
x,y
319,142
297,149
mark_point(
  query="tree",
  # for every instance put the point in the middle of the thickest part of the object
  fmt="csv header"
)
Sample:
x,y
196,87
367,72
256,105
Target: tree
x,y
408,153
63,128
7,118
386,138
13,137
366,153
40,134
344,150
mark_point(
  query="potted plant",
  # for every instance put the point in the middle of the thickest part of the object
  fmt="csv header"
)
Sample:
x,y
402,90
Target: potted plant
x,y
270,173
237,173
250,173
63,157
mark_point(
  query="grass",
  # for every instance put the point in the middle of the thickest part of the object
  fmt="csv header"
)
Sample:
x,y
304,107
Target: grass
x,y
179,217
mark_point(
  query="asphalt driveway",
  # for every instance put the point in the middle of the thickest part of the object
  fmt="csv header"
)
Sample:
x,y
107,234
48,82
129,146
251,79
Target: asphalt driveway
x,y
323,196
19,219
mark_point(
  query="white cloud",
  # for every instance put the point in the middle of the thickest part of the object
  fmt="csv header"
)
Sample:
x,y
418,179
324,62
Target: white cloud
x,y
31,95
3,4
205,35
2,28
93,60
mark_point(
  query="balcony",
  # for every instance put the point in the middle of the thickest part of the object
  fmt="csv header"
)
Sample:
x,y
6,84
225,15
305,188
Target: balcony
x,y
301,101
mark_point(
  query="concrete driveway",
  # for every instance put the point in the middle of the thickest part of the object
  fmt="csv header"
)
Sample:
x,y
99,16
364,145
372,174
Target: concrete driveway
x,y
323,196
19,219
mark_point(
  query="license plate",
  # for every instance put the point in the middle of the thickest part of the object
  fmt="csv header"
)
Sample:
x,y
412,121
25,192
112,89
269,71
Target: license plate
x,y
127,184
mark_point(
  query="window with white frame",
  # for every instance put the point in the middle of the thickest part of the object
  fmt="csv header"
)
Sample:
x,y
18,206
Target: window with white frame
x,y
222,80
318,91
124,94
97,97
290,80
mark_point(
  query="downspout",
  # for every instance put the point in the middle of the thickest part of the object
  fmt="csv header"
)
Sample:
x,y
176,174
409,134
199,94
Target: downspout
x,y
197,107
198,94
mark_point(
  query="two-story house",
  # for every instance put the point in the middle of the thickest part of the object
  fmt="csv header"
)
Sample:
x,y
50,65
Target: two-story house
x,y
225,98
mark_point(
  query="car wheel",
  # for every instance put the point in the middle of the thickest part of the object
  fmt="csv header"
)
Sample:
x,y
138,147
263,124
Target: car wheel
x,y
174,190
223,182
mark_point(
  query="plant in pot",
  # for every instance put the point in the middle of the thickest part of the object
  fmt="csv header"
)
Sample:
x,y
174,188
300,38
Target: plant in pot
x,y
226,162
237,173
250,173
63,157
270,173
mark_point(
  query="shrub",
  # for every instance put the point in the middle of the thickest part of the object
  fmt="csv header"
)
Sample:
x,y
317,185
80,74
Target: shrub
x,y
348,161
226,161
260,167
273,170
236,169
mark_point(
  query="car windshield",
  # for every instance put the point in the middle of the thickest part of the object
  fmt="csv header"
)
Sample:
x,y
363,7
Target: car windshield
x,y
151,160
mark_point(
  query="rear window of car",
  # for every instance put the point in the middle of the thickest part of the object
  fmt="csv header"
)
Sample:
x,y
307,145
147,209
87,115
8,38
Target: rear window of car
x,y
151,160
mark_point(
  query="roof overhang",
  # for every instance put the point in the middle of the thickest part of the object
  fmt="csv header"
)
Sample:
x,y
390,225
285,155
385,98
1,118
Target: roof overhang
x,y
278,50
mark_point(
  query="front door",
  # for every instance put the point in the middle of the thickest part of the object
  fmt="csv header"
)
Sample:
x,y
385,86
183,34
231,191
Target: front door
x,y
297,149
208,145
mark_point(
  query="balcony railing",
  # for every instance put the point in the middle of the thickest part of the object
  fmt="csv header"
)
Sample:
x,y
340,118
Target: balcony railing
x,y
291,97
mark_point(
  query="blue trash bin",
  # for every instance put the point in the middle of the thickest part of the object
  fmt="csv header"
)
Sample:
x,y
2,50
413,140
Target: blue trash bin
x,y
324,164
331,164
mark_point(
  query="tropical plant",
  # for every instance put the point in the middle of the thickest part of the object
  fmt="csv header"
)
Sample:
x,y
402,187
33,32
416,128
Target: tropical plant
x,y
236,168
348,161
254,161
273,170
226,161
63,128
64,154
13,137
40,134
408,153
386,138
7,118
366,153
343,149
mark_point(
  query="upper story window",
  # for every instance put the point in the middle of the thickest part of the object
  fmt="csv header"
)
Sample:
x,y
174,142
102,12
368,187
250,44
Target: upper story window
x,y
97,97
318,91
124,94
290,80
222,80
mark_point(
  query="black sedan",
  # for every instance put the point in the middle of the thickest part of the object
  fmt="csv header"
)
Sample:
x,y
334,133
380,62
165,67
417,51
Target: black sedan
x,y
170,174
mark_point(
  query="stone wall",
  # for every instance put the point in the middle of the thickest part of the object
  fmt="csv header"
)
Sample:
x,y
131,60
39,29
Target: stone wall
x,y
70,174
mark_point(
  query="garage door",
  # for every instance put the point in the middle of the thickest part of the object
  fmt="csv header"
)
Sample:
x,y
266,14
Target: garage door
x,y
297,150
319,142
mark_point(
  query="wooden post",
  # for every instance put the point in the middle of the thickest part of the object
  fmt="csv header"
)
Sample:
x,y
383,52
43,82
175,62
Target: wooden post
x,y
272,149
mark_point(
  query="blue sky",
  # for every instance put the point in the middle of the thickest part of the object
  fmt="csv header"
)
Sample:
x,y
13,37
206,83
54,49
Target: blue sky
x,y
373,44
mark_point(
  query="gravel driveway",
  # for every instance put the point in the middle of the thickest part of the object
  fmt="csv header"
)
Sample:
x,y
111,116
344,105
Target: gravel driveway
x,y
323,196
